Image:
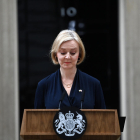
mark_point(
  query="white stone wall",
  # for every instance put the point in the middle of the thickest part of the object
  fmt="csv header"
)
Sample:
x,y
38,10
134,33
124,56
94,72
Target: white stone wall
x,y
9,122
129,11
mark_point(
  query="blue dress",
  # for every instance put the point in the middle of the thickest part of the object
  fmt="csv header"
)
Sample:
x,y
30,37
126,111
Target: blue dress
x,y
50,89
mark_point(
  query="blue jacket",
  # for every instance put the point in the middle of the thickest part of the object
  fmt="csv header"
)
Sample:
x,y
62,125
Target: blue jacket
x,y
50,89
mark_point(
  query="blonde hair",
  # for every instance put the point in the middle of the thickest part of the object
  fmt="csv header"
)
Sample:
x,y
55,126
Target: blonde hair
x,y
63,36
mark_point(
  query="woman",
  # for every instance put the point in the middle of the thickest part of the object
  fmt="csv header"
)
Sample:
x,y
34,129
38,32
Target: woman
x,y
68,51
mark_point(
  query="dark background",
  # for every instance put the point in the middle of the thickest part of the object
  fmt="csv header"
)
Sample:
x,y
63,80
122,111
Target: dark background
x,y
39,22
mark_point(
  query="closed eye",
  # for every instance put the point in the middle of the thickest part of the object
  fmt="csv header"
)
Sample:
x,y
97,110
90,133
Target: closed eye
x,y
72,53
63,53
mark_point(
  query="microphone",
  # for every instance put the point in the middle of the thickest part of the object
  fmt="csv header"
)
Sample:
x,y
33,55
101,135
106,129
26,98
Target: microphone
x,y
82,97
62,97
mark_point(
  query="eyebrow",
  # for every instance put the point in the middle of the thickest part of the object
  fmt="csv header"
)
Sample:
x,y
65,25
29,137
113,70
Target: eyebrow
x,y
71,49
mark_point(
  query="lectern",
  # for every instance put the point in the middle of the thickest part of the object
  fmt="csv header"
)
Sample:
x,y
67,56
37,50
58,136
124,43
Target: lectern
x,y
102,124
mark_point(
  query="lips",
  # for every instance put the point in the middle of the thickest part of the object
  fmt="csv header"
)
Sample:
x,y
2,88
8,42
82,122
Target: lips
x,y
67,62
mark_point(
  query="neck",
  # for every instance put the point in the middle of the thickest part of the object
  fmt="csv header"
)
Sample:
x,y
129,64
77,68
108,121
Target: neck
x,y
68,73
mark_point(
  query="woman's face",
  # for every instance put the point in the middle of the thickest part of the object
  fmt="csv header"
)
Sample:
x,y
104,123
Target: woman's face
x,y
68,54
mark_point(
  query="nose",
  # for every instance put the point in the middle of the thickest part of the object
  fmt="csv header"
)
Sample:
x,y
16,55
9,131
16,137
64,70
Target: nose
x,y
67,55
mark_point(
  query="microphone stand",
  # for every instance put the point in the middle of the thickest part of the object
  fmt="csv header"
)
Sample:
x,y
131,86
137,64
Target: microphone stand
x,y
81,104
59,104
61,99
82,98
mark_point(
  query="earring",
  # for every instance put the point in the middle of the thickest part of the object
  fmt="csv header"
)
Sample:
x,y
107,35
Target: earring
x,y
78,59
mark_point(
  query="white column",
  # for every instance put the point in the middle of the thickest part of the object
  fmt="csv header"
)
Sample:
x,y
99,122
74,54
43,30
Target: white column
x,y
129,37
9,107
122,61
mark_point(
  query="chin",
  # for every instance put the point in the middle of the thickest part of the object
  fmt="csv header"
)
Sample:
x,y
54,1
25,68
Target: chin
x,y
67,67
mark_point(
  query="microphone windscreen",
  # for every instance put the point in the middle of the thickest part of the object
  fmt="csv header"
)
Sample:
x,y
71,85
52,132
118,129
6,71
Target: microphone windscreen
x,y
63,95
83,95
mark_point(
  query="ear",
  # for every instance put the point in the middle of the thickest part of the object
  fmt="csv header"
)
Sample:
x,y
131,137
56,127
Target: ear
x,y
56,54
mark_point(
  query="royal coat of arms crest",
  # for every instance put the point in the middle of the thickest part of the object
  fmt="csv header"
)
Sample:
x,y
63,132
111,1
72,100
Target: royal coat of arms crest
x,y
69,123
